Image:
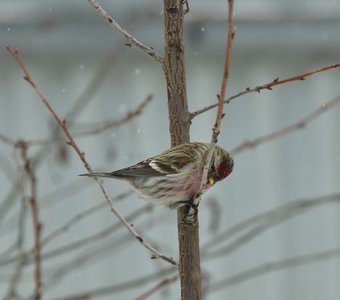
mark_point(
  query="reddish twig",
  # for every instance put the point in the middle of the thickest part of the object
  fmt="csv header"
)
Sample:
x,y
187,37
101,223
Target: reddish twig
x,y
230,37
219,115
283,131
130,40
62,123
266,86
72,143
35,218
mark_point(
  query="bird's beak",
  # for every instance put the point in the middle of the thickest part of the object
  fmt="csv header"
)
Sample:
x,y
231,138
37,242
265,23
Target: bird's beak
x,y
211,180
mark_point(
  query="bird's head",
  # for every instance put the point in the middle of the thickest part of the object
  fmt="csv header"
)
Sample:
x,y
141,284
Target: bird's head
x,y
221,166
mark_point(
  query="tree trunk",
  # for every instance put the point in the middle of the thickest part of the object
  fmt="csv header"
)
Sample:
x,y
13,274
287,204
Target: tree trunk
x,y
179,125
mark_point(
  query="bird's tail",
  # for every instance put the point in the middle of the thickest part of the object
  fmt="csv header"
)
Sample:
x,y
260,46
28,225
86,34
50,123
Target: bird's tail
x,y
98,175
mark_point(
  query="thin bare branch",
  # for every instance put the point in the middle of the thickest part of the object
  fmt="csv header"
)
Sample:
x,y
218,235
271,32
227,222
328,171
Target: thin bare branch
x,y
130,115
279,265
93,85
70,189
230,37
86,257
97,251
260,223
130,40
219,115
215,210
35,218
62,123
111,124
6,140
73,246
163,283
266,86
6,168
67,226
291,128
107,290
81,155
19,247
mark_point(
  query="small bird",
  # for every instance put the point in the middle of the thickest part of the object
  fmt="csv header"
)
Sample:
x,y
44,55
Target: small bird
x,y
173,177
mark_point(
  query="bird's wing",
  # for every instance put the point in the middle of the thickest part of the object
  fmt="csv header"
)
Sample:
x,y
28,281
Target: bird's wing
x,y
145,168
175,159
170,162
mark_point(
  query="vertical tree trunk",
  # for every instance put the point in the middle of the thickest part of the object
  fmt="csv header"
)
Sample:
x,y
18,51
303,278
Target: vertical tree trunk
x,y
179,125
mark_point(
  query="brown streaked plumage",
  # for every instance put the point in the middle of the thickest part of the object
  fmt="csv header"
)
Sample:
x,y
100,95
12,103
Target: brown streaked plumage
x,y
173,177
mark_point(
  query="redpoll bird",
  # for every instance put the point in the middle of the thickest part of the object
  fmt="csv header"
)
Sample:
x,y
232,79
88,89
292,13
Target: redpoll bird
x,y
173,177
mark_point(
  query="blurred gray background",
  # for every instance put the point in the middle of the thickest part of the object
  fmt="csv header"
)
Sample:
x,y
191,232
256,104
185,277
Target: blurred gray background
x,y
65,43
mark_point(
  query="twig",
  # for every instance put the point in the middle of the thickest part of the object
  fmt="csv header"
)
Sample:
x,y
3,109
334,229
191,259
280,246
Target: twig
x,y
219,115
84,258
283,131
6,168
95,238
215,211
230,37
279,265
266,86
7,202
6,140
78,218
186,6
130,40
96,252
70,189
260,223
93,85
107,290
129,116
81,155
19,243
62,123
35,218
157,287
89,240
